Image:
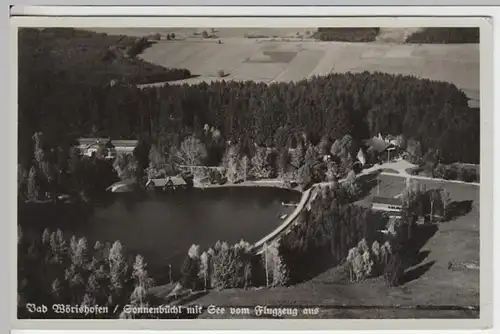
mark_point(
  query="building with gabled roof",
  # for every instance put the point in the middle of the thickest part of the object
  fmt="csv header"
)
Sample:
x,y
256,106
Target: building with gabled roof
x,y
111,148
166,183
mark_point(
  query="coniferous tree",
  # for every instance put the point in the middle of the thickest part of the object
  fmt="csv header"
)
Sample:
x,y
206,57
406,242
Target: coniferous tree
x,y
118,268
233,163
33,190
142,283
191,268
261,168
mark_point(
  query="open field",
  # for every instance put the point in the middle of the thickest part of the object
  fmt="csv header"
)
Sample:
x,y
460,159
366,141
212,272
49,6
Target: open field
x,y
282,55
430,282
268,61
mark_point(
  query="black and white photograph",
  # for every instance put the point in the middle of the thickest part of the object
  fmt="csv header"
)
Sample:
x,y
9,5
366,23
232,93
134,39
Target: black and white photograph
x,y
248,173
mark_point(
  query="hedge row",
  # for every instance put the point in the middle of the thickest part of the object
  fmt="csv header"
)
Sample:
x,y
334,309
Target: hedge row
x,y
347,34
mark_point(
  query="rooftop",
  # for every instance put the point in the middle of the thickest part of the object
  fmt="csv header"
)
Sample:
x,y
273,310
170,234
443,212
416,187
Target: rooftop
x,y
176,181
378,144
387,200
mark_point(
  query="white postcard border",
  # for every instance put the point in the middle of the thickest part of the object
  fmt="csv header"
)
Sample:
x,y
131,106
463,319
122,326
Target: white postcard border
x,y
486,191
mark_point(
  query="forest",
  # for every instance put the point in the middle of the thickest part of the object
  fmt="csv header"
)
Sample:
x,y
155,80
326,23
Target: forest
x,y
73,55
233,124
56,270
362,105
360,35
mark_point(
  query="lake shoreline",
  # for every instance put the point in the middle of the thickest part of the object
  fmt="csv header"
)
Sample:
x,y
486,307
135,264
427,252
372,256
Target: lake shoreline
x,y
270,183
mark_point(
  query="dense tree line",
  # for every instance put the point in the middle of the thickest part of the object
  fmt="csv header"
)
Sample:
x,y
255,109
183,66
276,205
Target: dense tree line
x,y
432,113
347,34
222,266
56,270
445,36
64,170
448,172
91,58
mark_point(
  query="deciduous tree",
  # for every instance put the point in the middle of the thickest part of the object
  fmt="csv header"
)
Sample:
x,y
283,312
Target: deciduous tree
x,y
192,152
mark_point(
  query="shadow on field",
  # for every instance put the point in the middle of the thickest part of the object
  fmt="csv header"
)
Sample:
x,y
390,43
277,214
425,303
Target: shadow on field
x,y
458,208
419,258
367,183
420,234
411,255
415,273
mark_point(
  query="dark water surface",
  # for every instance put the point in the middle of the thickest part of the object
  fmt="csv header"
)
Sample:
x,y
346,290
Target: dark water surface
x,y
163,227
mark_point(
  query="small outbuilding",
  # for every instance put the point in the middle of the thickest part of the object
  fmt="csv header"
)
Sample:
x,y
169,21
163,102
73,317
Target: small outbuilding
x,y
389,204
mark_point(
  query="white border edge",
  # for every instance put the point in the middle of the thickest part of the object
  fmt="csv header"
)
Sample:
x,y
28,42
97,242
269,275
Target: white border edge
x,y
486,217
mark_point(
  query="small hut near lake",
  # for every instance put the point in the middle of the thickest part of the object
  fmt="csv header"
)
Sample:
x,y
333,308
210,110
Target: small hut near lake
x,y
167,183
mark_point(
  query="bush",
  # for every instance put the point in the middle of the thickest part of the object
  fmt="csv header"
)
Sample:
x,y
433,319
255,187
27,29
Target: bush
x,y
456,172
138,47
231,265
440,171
156,37
278,273
53,269
467,174
450,173
221,73
189,273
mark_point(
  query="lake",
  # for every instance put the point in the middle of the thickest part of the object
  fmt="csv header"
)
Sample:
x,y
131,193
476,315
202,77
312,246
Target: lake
x,y
163,227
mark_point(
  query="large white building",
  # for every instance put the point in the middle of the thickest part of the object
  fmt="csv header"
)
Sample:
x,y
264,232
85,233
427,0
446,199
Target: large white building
x,y
110,148
388,204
